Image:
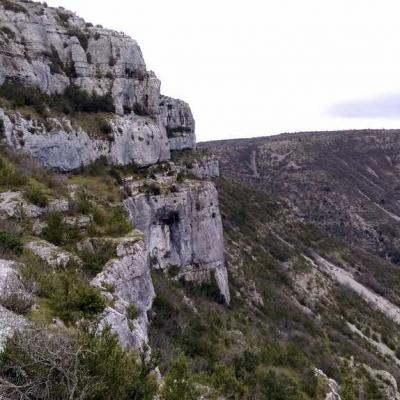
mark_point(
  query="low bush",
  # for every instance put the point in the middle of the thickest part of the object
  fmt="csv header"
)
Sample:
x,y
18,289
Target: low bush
x,y
56,364
81,100
10,177
13,6
10,243
55,229
72,100
118,223
179,383
36,195
132,311
72,298
81,35
105,127
94,262
7,31
17,302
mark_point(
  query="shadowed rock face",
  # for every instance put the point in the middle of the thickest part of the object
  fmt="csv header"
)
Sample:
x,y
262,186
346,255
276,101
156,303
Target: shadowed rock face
x,y
345,182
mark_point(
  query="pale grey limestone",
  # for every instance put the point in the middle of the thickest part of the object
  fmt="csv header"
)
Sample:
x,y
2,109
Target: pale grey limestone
x,y
126,280
183,229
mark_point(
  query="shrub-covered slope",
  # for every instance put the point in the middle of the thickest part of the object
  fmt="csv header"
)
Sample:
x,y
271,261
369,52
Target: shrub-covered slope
x,y
345,182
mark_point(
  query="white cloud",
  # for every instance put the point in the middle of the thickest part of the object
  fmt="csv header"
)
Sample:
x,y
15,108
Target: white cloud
x,y
259,67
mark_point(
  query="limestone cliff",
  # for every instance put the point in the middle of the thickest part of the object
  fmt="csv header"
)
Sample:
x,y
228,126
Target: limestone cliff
x,y
52,52
53,49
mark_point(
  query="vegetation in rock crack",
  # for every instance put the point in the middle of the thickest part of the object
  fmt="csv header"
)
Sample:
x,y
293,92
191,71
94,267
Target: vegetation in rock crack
x,y
73,100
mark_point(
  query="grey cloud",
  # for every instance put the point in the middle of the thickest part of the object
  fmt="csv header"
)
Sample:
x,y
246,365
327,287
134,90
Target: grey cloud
x,y
383,106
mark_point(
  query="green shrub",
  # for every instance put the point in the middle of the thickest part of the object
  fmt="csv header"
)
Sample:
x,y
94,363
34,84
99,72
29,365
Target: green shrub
x,y
10,242
22,95
63,18
36,195
132,312
55,229
72,100
179,383
81,100
10,177
280,386
56,364
224,380
105,127
13,6
94,262
6,30
72,298
81,35
82,204
118,223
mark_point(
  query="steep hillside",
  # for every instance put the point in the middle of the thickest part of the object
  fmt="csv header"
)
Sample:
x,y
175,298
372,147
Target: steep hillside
x,y
130,269
344,182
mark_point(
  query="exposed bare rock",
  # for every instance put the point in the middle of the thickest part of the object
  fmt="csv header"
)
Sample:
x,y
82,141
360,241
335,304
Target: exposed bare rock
x,y
345,278
12,204
333,387
12,290
179,123
9,324
58,205
51,254
54,49
387,380
126,280
183,229
59,146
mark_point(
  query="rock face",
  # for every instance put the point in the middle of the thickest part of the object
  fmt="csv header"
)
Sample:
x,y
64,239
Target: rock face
x,y
9,324
179,123
52,255
183,229
54,49
59,146
11,287
12,204
50,48
333,387
126,280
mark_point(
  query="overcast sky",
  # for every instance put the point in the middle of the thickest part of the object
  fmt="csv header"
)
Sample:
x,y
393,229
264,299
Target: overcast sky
x,y
261,67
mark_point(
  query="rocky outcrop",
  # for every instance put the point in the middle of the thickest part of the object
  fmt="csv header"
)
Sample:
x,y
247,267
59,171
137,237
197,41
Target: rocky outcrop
x,y
54,49
333,387
13,205
9,324
183,229
179,123
126,283
52,255
57,145
12,290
